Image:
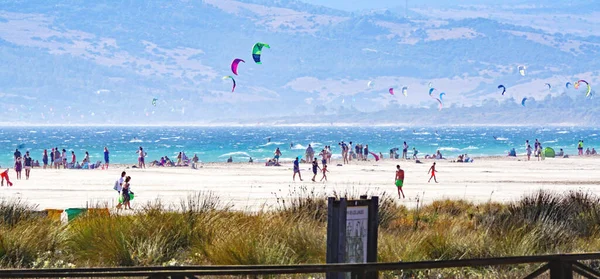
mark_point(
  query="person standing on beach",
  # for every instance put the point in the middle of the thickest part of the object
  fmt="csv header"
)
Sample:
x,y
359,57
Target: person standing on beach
x,y
142,155
57,159
580,148
315,167
297,170
350,151
18,167
45,158
28,164
405,151
323,155
432,171
528,152
17,154
399,180
310,153
366,152
52,158
73,158
64,158
277,155
106,157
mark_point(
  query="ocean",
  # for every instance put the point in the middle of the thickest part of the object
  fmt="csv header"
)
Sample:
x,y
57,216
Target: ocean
x,y
216,144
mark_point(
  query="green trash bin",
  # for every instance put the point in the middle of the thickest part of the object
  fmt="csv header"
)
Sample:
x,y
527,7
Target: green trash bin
x,y
72,213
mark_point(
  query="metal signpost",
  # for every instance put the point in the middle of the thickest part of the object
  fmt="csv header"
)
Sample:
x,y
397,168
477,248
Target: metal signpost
x,y
352,233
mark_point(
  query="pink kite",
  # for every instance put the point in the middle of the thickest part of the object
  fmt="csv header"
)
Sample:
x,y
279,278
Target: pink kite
x,y
375,155
392,91
4,175
234,65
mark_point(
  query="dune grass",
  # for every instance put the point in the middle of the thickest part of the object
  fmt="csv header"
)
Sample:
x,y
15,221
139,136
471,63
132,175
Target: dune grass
x,y
206,231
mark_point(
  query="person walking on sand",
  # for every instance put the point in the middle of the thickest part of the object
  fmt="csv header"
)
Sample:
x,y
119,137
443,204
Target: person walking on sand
x,y
399,180
415,152
106,157
405,151
315,167
297,170
125,192
324,170
432,171
119,187
28,164
528,152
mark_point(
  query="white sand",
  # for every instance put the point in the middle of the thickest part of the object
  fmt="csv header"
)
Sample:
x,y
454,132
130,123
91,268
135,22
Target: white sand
x,y
248,186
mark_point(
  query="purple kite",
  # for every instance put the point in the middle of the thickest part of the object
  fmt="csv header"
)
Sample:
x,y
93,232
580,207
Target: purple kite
x,y
234,65
392,91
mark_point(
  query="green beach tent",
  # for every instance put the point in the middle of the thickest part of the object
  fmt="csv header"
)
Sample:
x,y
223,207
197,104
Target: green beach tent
x,y
549,152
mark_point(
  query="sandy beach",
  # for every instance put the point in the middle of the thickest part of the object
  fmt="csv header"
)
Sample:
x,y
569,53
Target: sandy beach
x,y
250,186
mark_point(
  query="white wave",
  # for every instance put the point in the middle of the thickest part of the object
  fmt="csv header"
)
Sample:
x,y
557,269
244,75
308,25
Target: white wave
x,y
422,133
593,135
451,149
470,147
550,141
136,140
32,132
316,144
101,132
298,147
235,154
272,143
501,138
563,132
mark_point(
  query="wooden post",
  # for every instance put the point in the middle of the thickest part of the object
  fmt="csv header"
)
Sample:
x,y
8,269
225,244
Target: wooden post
x,y
560,269
372,237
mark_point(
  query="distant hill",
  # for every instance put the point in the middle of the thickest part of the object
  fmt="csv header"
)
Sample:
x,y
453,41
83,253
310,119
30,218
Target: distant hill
x,y
104,62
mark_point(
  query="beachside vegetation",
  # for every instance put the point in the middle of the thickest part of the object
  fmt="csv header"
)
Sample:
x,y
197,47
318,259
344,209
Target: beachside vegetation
x,y
204,230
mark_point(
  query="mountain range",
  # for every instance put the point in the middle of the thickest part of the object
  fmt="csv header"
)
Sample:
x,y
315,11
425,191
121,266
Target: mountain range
x,y
103,62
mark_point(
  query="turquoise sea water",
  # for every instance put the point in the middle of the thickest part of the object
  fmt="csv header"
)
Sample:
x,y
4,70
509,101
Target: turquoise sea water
x,y
216,144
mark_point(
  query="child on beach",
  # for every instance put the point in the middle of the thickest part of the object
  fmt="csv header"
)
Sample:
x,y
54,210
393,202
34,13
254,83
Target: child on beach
x,y
297,170
528,152
324,170
4,176
399,180
432,171
315,167
119,187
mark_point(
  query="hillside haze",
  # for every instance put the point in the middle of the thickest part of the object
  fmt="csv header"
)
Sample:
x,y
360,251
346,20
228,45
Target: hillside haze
x,y
102,62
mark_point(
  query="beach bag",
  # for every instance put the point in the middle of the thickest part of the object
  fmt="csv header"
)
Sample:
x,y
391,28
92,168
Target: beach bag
x,y
116,187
